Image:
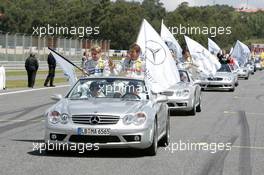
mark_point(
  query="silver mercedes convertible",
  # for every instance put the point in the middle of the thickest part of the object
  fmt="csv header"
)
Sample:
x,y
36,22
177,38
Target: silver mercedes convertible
x,y
224,79
243,72
187,95
113,112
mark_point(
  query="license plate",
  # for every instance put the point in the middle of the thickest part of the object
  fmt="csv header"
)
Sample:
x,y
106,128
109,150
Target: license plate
x,y
93,131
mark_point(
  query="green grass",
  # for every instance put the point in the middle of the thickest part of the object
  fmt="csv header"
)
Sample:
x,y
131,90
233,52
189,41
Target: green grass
x,y
38,83
24,72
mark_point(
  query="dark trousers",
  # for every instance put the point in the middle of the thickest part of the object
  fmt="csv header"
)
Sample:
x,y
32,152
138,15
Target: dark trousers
x,y
31,77
50,77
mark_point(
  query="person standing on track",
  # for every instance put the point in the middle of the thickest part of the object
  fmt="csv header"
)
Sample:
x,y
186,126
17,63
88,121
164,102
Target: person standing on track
x,y
52,66
31,66
2,78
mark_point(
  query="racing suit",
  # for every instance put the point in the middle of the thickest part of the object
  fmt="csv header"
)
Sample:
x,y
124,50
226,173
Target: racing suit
x,y
97,68
132,68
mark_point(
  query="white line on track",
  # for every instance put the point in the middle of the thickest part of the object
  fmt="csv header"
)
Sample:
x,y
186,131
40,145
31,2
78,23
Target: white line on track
x,y
30,90
248,147
20,120
250,113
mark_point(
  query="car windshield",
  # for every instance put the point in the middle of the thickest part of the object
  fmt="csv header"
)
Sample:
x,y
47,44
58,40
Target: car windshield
x,y
128,89
184,76
224,68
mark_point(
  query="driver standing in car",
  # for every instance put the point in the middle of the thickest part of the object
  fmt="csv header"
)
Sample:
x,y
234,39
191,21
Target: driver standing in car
x,y
134,91
95,90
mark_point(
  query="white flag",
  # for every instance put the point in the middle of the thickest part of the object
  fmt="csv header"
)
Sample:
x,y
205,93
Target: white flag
x,y
241,53
207,62
213,47
171,42
161,71
231,50
2,78
68,69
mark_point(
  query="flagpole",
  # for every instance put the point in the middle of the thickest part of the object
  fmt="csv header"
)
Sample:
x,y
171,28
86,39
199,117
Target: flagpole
x,y
66,59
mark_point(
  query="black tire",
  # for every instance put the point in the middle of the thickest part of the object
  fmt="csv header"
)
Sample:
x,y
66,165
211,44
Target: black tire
x,y
232,90
198,108
246,78
236,84
165,140
193,111
152,150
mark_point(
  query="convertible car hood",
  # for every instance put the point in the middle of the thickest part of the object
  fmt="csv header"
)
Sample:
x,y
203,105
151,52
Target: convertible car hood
x,y
103,106
180,85
223,74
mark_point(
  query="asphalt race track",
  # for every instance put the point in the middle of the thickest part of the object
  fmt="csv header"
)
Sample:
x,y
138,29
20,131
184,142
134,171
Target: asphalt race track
x,y
227,117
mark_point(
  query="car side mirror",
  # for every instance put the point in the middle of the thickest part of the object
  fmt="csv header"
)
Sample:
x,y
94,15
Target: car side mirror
x,y
196,81
56,97
161,99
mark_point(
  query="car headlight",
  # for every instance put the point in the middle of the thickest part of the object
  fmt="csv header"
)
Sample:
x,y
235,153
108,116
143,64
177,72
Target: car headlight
x,y
128,119
182,93
137,119
228,78
55,117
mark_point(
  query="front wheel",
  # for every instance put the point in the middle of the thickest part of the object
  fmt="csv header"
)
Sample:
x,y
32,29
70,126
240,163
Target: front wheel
x,y
165,140
193,111
152,150
198,108
232,90
247,77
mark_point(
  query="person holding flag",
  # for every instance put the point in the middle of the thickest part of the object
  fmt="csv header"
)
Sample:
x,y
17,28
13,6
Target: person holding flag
x,y
132,65
97,65
161,73
188,63
213,47
172,44
241,53
66,65
208,63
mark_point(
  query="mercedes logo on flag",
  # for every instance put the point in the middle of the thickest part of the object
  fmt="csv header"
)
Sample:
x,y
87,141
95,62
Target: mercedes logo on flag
x,y
155,52
95,120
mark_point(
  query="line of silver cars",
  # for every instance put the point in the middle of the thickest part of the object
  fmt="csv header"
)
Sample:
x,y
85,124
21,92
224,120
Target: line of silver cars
x,y
227,77
121,112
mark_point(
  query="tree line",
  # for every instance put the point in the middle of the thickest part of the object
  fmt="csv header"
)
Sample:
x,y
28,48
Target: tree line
x,y
120,21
